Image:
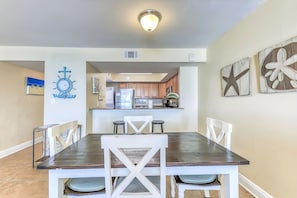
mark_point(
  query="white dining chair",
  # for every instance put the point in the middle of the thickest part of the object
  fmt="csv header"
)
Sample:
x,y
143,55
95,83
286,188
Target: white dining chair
x,y
219,132
134,152
61,136
138,123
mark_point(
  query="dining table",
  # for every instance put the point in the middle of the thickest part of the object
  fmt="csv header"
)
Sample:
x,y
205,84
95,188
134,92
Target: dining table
x,y
188,153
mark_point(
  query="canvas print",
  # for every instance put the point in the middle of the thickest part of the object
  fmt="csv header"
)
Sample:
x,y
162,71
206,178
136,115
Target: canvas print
x,y
34,86
236,78
278,67
95,85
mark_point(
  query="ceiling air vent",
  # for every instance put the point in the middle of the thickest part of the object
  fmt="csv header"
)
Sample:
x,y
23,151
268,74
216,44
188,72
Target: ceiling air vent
x,y
131,54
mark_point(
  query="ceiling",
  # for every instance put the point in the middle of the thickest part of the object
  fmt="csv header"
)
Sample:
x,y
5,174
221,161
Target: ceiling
x,y
113,23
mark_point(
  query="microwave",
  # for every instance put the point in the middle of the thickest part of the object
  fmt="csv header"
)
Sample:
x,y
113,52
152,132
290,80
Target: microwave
x,y
141,103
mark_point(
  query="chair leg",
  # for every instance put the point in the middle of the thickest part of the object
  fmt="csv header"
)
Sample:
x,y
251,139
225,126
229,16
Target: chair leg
x,y
181,192
33,159
162,128
172,182
206,194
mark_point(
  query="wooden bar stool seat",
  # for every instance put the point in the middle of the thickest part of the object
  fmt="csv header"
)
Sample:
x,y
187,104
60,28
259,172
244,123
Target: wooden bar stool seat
x,y
116,124
158,122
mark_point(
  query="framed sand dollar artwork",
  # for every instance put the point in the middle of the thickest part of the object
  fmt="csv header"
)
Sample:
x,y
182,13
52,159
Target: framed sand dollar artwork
x,y
278,67
235,78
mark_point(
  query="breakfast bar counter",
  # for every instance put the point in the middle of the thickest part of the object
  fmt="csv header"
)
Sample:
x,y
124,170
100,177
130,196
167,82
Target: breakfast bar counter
x,y
137,108
175,118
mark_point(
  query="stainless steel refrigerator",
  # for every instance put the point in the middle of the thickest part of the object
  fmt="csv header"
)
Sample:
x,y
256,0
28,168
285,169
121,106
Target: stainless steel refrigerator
x,y
124,98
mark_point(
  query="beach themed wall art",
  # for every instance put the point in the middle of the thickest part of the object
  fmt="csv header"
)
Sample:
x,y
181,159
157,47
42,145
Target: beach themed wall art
x,y
34,86
95,85
64,85
235,78
278,67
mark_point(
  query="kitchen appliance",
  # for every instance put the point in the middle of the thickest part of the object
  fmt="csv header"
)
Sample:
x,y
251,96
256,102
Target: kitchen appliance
x,y
141,103
124,98
148,103
172,100
109,97
157,102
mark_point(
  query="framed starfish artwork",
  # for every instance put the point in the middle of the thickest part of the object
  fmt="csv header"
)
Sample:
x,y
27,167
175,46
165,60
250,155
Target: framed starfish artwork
x,y
236,78
278,67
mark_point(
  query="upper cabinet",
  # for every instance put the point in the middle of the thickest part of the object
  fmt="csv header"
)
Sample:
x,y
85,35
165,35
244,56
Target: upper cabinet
x,y
142,90
173,84
122,85
162,90
152,90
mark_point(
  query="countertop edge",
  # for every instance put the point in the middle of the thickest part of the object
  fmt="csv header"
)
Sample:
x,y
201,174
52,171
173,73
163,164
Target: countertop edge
x,y
135,109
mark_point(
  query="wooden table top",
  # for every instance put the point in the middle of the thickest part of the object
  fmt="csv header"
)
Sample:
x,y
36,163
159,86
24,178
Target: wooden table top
x,y
184,149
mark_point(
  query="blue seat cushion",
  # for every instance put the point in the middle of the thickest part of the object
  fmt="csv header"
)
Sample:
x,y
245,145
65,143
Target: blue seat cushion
x,y
197,179
89,184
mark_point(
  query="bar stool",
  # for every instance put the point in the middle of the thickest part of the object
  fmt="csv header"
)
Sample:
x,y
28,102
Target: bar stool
x,y
155,122
116,124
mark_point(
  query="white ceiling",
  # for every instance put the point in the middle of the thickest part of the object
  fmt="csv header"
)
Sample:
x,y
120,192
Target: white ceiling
x,y
113,23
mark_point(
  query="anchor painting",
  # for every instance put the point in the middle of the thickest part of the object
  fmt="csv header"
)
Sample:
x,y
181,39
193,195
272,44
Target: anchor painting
x,y
64,85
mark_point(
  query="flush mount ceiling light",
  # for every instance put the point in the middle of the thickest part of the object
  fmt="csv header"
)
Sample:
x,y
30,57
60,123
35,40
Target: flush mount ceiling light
x,y
149,19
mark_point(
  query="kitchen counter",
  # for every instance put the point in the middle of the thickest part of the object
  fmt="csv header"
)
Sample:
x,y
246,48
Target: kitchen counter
x,y
137,108
102,118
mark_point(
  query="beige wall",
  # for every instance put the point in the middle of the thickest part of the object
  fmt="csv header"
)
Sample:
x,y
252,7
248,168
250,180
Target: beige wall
x,y
264,125
19,113
93,99
90,97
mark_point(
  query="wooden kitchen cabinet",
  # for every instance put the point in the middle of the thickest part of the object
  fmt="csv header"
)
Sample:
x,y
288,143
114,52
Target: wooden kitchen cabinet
x,y
131,85
146,90
151,90
175,87
173,83
126,85
142,90
122,85
162,90
154,90
138,90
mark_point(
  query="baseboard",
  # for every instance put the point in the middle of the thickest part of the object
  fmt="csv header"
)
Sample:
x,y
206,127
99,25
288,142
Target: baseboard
x,y
19,147
252,188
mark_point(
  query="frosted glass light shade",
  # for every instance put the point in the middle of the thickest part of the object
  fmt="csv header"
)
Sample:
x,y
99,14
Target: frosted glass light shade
x,y
149,19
